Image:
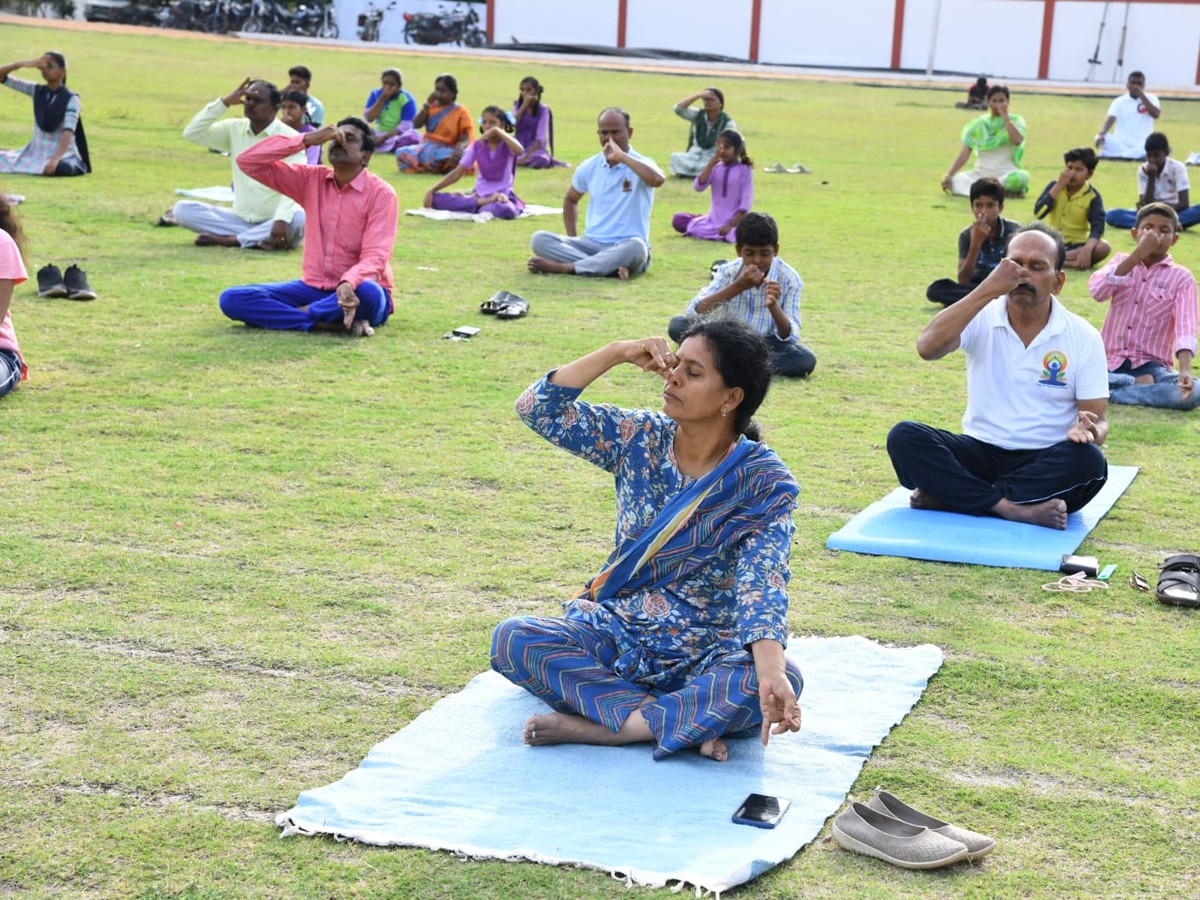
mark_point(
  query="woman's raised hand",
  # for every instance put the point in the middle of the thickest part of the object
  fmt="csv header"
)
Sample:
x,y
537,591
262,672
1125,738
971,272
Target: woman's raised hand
x,y
652,354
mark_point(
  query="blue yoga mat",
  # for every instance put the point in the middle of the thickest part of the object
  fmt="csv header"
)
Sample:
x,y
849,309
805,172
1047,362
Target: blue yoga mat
x,y
890,527
459,778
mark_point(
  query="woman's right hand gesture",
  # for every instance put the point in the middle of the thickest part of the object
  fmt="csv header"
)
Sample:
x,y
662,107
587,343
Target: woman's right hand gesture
x,y
652,354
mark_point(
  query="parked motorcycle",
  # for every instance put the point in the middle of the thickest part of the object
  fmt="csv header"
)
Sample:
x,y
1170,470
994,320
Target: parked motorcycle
x,y
369,22
315,21
457,26
268,17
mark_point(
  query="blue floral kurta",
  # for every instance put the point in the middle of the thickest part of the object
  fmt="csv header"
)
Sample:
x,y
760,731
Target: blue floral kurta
x,y
668,634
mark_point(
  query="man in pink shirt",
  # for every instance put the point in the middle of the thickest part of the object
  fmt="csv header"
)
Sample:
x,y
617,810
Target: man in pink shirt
x,y
1152,317
346,282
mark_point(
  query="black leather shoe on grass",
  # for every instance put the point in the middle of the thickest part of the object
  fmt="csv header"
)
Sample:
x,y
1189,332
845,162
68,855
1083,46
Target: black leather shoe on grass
x,y
77,285
50,282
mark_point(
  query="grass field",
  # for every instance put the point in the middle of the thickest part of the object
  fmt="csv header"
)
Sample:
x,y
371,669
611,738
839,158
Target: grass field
x,y
232,560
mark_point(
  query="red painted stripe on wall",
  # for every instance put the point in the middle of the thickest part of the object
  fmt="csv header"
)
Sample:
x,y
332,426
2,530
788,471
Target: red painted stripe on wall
x,y
755,27
1047,35
622,11
897,33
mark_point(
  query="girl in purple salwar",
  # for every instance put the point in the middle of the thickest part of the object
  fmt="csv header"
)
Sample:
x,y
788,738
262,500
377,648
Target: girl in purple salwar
x,y
495,155
730,177
535,127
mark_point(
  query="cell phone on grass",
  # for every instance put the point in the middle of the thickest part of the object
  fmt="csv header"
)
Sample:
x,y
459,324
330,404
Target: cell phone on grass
x,y
761,811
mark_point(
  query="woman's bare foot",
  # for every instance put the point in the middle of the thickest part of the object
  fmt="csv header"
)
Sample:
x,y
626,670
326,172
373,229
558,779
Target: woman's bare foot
x,y
920,499
715,750
560,728
1048,514
541,265
361,328
623,273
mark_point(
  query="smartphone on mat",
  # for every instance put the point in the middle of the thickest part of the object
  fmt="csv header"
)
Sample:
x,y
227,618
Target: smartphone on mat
x,y
761,811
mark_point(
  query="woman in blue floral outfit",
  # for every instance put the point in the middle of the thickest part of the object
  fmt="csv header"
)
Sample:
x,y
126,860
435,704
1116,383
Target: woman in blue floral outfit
x,y
680,639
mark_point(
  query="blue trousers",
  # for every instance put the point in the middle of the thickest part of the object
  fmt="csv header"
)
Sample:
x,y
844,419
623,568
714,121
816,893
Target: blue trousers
x,y
971,476
569,664
10,371
277,305
1127,218
790,357
1163,393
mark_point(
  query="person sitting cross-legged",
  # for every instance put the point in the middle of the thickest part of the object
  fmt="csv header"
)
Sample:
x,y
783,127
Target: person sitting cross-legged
x,y
1152,317
759,289
679,641
981,245
1072,206
621,183
347,273
260,218
1037,398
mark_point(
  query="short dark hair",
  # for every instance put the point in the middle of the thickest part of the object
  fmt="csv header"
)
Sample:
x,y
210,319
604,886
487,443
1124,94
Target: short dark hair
x,y
1085,155
998,89
987,187
300,72
395,73
368,144
1136,74
744,360
449,81
1054,235
1158,208
1157,142
295,97
274,95
614,109
756,230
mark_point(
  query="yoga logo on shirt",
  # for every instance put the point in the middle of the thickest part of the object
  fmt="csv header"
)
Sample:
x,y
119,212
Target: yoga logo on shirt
x,y
1054,366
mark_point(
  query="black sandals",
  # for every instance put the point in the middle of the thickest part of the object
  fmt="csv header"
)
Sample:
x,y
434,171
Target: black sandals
x,y
1179,581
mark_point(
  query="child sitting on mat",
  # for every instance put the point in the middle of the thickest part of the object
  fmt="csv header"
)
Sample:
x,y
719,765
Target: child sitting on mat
x,y
730,176
495,153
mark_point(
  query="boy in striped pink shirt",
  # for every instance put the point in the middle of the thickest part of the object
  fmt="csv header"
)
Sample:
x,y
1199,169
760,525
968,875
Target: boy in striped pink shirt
x,y
1152,317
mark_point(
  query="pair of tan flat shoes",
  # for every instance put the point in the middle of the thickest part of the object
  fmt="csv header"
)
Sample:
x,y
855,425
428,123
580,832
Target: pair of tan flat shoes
x,y
889,829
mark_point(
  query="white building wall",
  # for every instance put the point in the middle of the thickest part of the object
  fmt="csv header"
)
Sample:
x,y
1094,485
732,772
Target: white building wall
x,y
1000,38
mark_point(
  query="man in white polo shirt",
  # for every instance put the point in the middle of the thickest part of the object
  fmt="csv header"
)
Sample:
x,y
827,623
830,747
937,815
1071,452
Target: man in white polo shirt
x,y
1133,113
621,183
1037,398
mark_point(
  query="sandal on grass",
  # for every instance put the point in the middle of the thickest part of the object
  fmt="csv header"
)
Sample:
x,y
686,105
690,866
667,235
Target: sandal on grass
x,y
776,169
514,307
495,303
1179,582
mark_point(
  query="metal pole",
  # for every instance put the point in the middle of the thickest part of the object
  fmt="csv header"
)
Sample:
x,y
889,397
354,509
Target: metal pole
x,y
1095,60
1120,66
937,15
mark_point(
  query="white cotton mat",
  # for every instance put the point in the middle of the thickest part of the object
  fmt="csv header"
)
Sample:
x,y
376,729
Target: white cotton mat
x,y
447,215
459,778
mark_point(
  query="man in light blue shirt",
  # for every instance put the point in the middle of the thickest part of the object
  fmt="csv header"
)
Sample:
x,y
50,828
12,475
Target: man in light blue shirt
x,y
760,289
621,183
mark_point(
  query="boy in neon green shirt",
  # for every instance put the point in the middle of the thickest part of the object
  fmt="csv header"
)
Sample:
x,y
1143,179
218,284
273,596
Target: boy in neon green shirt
x,y
1072,206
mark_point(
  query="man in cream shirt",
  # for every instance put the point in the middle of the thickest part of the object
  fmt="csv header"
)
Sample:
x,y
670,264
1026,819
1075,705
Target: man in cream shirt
x,y
260,217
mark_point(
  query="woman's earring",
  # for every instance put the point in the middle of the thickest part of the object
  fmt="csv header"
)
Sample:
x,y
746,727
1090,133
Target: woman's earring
x,y
724,411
